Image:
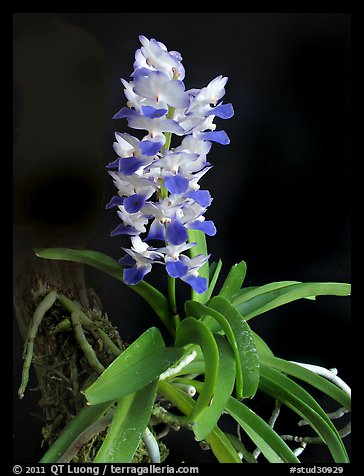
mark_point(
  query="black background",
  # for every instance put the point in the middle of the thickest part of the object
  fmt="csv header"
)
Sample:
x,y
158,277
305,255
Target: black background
x,y
281,188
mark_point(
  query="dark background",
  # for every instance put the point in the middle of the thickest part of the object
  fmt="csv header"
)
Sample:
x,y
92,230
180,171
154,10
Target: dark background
x,y
281,188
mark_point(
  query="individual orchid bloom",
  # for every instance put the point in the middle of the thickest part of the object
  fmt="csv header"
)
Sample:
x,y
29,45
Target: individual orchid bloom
x,y
200,126
136,190
154,54
166,224
158,212
192,215
155,126
173,166
133,100
194,145
175,161
159,193
191,275
172,252
212,93
206,130
163,91
140,258
191,144
195,177
174,266
132,223
132,153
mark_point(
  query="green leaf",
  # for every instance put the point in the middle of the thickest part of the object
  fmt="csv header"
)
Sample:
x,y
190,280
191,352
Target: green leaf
x,y
233,281
272,299
207,314
131,418
199,238
295,397
309,377
141,363
219,443
106,264
270,444
224,386
248,293
192,331
249,359
214,272
85,418
212,269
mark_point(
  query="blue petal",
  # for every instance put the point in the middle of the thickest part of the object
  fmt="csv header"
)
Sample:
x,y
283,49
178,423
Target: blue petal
x,y
149,147
129,165
124,230
198,283
206,227
153,112
127,260
156,231
134,203
114,164
140,72
225,111
176,232
115,202
176,269
176,184
202,197
136,274
125,112
216,136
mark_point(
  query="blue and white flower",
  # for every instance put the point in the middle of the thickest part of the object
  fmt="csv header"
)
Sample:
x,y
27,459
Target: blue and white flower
x,y
159,197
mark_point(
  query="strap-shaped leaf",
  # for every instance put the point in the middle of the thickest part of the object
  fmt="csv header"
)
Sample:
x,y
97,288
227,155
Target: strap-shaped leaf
x,y
106,264
309,377
224,386
249,359
214,272
233,281
270,444
85,418
295,397
272,299
192,331
141,363
248,293
208,314
217,440
131,418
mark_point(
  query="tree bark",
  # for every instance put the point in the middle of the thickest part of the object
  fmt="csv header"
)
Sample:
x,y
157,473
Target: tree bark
x,y
60,365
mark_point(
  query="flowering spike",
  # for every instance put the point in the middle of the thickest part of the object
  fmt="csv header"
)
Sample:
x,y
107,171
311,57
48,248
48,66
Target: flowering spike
x,y
159,196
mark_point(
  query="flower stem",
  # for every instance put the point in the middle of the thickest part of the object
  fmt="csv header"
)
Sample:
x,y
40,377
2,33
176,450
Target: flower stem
x,y
168,135
172,294
172,300
164,194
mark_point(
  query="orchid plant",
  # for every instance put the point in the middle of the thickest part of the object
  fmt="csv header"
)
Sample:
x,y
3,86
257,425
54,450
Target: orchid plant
x,y
212,363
